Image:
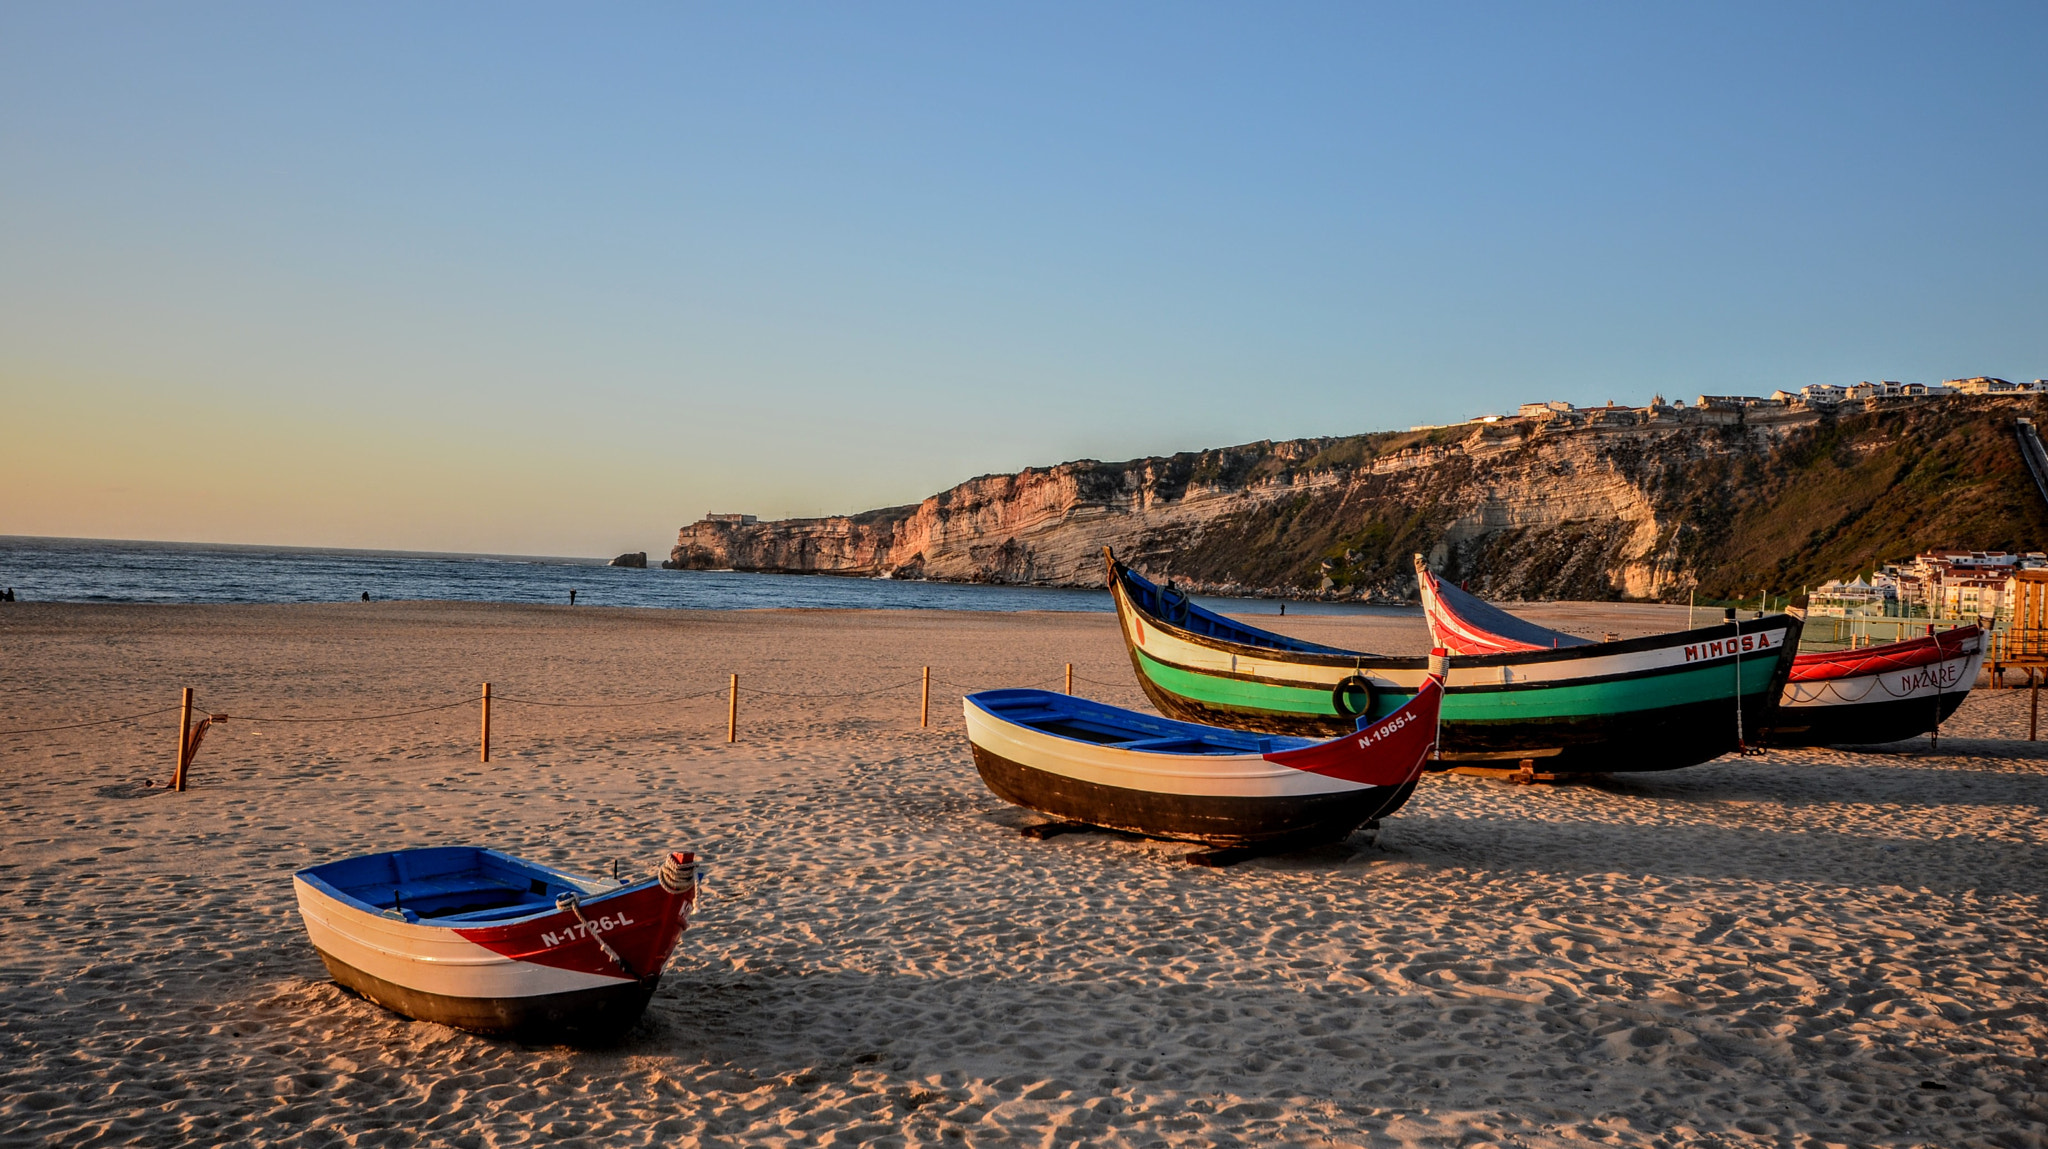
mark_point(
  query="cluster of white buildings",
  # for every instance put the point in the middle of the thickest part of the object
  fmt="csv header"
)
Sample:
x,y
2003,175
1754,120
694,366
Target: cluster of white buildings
x,y
1829,395
1813,396
1959,585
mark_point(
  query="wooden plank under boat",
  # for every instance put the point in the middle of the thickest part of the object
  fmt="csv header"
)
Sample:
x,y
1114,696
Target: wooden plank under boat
x,y
1645,704
1082,761
481,940
1843,697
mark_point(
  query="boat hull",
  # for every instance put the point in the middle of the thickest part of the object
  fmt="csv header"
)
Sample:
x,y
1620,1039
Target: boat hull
x,y
1304,819
505,946
1081,761
597,1011
1658,703
1477,729
1863,725
1878,694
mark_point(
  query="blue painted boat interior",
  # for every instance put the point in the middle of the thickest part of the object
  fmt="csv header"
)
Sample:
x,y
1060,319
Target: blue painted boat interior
x,y
445,885
1084,720
1177,610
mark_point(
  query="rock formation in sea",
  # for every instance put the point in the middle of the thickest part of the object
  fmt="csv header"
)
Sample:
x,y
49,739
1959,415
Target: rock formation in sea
x,y
636,559
1602,503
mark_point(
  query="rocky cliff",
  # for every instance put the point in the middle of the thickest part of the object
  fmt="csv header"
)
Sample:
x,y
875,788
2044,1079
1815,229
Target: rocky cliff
x,y
1603,504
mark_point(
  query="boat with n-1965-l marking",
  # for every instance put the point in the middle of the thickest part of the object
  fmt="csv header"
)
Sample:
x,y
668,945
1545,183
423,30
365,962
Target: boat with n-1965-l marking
x,y
481,940
1082,761
1643,704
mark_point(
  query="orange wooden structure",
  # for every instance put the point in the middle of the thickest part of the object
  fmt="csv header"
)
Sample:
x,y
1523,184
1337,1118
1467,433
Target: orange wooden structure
x,y
2023,644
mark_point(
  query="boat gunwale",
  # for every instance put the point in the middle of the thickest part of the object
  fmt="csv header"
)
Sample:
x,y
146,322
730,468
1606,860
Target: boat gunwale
x,y
1905,654
590,893
1309,768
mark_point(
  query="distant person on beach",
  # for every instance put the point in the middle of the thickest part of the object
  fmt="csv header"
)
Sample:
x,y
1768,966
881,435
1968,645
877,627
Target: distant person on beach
x,y
366,596
572,598
9,596
1283,608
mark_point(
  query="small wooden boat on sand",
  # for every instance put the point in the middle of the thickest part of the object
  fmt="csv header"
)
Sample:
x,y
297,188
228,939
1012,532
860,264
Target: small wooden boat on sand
x,y
1848,697
480,940
1645,704
1082,761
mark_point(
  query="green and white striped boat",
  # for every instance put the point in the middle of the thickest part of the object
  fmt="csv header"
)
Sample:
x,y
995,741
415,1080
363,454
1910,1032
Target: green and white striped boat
x,y
1655,703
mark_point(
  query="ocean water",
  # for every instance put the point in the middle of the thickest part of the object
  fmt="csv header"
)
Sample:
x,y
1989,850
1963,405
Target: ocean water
x,y
98,570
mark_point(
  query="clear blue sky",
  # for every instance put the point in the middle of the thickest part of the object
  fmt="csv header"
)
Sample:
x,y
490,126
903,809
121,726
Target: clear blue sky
x,y
553,278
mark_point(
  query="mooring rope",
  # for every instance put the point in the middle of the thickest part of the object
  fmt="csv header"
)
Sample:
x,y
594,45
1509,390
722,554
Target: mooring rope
x,y
1829,688
1741,744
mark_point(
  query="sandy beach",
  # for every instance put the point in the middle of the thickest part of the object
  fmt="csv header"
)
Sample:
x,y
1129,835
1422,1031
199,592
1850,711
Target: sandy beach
x,y
1811,948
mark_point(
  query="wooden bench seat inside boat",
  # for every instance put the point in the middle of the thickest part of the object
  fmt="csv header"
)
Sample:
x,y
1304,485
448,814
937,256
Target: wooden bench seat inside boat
x,y
450,884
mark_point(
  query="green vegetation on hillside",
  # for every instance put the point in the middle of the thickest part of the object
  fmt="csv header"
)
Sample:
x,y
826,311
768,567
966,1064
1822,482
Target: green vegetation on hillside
x,y
1738,515
1840,498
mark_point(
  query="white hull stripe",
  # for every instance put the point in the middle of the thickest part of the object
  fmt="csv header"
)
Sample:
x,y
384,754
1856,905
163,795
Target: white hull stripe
x,y
1953,676
432,959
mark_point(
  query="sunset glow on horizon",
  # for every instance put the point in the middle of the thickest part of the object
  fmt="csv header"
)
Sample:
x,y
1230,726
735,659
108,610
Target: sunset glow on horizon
x,y
518,279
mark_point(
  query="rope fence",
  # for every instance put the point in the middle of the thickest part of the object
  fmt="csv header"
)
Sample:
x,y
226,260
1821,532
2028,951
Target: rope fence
x,y
604,705
190,734
94,722
464,701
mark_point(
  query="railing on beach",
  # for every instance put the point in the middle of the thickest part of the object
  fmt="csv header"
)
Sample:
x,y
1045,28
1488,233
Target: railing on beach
x,y
2022,643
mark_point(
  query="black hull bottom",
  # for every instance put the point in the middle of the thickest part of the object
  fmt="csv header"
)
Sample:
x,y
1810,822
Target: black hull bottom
x,y
1224,822
1668,738
602,1012
1893,720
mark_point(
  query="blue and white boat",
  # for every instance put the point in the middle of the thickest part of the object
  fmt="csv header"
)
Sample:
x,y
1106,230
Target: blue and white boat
x,y
482,940
1076,760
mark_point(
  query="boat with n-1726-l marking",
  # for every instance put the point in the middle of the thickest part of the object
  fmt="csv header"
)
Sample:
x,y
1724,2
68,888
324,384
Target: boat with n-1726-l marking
x,y
481,940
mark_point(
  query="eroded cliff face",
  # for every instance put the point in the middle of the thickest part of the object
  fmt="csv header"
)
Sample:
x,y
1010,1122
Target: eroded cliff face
x,y
1642,507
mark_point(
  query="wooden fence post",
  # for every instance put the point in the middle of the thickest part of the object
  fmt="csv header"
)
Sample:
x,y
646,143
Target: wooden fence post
x,y
924,702
732,710
184,741
1070,678
485,754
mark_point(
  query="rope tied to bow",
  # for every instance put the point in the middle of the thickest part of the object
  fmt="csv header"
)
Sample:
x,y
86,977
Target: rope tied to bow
x,y
569,901
678,875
